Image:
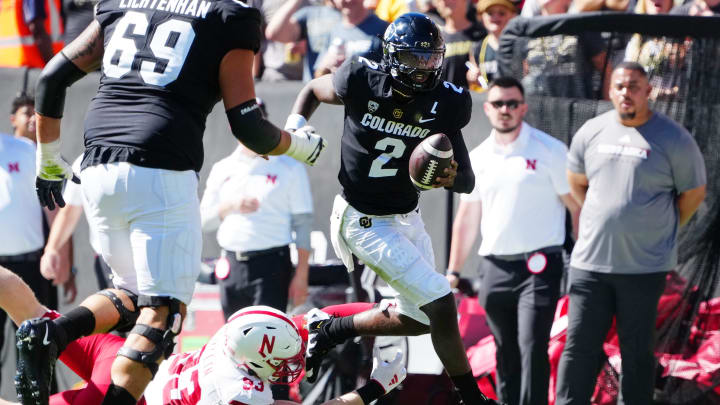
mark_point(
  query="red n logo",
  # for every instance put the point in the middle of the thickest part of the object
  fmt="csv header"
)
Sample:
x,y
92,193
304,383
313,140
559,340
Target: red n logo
x,y
531,164
14,167
271,178
266,342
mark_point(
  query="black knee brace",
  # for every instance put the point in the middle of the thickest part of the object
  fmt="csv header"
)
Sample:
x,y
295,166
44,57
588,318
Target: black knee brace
x,y
127,317
164,339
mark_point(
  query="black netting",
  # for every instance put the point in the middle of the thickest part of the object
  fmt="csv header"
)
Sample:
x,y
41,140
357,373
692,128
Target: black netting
x,y
564,63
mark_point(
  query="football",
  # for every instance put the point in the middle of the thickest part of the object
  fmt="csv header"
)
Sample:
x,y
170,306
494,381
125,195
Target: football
x,y
429,160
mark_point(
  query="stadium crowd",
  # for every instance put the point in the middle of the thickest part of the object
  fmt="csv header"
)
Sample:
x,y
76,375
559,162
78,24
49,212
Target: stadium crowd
x,y
327,44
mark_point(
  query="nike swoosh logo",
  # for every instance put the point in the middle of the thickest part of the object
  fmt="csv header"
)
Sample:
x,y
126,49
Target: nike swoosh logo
x,y
45,341
422,121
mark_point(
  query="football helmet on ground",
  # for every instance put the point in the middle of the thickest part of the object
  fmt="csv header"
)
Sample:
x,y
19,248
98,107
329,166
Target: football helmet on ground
x,y
267,342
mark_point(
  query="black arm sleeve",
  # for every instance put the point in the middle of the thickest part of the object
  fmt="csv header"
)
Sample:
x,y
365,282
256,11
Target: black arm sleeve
x,y
58,74
465,179
252,129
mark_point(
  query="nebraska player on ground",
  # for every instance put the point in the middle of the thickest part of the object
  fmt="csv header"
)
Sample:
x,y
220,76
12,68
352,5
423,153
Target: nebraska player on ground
x,y
256,347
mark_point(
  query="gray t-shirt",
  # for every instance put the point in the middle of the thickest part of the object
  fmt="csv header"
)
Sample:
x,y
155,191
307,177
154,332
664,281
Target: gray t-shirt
x,y
362,39
316,24
629,222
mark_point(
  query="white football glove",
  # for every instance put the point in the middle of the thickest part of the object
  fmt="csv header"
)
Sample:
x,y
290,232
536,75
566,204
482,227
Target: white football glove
x,y
389,375
52,171
305,145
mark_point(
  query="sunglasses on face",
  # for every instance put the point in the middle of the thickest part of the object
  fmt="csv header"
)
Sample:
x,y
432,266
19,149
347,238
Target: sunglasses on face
x,y
511,104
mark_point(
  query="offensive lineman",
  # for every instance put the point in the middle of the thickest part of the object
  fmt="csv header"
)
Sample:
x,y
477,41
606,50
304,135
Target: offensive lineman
x,y
164,65
390,107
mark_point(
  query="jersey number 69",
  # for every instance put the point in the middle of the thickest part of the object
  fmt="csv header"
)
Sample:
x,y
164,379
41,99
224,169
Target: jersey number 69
x,y
170,45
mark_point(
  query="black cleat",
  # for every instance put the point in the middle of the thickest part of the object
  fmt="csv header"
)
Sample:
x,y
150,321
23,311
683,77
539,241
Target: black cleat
x,y
37,353
319,343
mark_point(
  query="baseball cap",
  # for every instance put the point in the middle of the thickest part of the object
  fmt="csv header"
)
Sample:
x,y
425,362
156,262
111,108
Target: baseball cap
x,y
485,4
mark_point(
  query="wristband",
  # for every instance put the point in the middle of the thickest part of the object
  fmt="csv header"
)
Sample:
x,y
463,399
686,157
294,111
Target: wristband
x,y
453,273
370,391
295,121
49,150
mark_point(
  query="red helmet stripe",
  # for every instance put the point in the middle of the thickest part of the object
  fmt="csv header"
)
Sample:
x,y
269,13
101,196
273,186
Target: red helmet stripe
x,y
232,318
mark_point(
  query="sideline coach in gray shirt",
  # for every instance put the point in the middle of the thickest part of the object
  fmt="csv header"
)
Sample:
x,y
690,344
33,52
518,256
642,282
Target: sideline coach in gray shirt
x,y
639,176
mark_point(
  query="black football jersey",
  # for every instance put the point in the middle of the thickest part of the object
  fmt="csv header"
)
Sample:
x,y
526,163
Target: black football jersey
x,y
160,78
380,134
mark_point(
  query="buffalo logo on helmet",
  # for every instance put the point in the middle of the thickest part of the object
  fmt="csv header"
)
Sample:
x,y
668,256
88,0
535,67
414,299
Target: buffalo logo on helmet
x,y
373,106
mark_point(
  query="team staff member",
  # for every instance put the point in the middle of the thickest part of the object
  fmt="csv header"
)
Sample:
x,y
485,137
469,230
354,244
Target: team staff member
x,y
390,106
256,204
518,203
639,176
143,149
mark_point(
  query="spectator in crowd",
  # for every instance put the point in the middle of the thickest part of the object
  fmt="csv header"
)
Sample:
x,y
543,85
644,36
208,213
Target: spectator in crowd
x,y
426,7
638,176
389,10
78,15
292,23
659,55
20,211
494,15
581,6
277,61
566,65
705,8
31,32
459,33
518,204
62,229
358,34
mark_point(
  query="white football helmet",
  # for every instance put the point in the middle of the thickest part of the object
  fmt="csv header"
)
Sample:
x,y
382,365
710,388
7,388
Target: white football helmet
x,y
266,341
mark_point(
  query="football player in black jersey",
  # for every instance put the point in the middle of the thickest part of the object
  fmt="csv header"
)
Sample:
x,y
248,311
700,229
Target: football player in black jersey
x,y
390,107
164,64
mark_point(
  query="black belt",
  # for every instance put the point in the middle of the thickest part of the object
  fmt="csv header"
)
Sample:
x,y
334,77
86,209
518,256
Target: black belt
x,y
251,254
23,257
525,256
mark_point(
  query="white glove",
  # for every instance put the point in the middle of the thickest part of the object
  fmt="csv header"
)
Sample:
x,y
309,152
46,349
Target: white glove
x,y
389,375
305,145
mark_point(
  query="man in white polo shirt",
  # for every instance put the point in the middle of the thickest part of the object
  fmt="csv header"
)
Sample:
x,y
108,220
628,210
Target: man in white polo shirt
x,y
518,204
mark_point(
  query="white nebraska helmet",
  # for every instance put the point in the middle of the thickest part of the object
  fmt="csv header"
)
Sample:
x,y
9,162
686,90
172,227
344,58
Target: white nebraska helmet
x,y
267,342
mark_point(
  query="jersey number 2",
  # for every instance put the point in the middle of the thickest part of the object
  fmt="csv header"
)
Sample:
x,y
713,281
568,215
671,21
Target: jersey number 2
x,y
397,148
170,45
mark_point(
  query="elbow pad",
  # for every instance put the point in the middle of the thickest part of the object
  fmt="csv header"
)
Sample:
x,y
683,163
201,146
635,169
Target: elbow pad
x,y
252,129
54,79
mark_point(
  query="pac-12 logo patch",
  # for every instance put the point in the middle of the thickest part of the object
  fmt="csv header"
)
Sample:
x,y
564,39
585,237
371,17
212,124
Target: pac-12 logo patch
x,y
373,106
397,113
